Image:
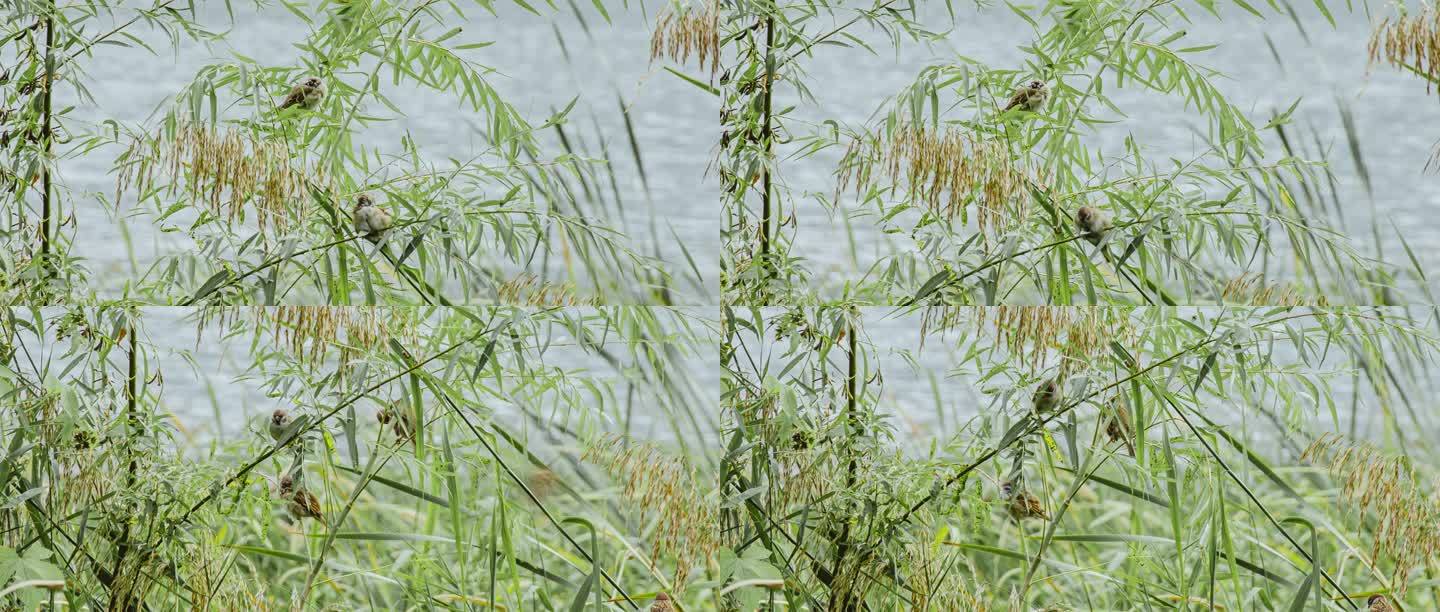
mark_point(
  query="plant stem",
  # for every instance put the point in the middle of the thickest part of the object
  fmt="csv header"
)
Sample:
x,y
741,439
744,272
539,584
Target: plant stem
x,y
852,424
766,215
46,211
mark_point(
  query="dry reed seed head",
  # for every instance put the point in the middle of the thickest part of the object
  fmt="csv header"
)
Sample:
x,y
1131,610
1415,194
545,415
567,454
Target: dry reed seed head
x,y
1410,41
529,290
680,32
227,171
1250,290
310,333
1078,333
946,170
666,488
1407,523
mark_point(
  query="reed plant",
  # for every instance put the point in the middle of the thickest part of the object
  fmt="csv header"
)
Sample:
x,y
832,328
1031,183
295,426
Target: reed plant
x,y
261,193
1080,458
976,198
457,459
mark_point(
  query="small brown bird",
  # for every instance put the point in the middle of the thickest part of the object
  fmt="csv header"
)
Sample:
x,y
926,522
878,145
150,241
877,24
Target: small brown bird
x,y
1117,423
662,603
1021,504
400,421
1093,222
543,482
279,422
1378,603
306,94
1047,396
371,220
303,503
1030,97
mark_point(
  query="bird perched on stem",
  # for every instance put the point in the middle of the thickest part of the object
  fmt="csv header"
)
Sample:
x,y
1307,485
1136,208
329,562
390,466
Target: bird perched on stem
x,y
1029,97
371,221
662,603
1047,396
1378,603
306,94
1093,223
303,503
1117,423
279,423
401,421
1021,504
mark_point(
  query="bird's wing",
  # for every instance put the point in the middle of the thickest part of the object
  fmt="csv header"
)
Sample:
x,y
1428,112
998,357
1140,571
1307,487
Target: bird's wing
x,y
1017,99
296,96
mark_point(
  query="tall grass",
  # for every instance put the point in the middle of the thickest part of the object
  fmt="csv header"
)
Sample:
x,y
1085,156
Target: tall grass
x,y
1242,492
980,201
503,491
262,195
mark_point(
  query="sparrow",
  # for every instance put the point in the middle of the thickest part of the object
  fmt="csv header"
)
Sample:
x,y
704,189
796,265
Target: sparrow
x,y
1030,97
370,220
400,421
1021,504
662,603
543,482
279,422
1093,223
303,503
1117,423
1378,603
306,94
1047,396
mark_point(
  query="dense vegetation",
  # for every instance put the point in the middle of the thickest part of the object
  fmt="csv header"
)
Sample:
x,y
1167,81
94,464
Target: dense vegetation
x,y
1119,459
377,374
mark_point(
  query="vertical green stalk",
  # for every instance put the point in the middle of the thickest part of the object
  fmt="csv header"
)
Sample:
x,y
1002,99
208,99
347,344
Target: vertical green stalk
x,y
134,434
765,213
852,426
46,211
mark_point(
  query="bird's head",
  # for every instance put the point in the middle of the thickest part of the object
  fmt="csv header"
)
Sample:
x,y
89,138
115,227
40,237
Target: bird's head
x,y
280,417
662,596
1007,489
363,200
313,82
287,484
1037,85
1086,215
1375,598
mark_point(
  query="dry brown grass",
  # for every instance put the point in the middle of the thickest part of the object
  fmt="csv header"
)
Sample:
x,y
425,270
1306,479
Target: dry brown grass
x,y
529,290
946,169
1249,290
1031,335
1406,526
680,33
666,488
229,172
315,334
1410,41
